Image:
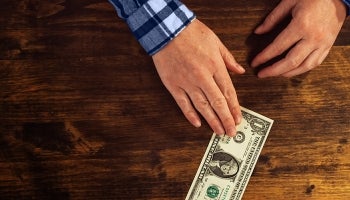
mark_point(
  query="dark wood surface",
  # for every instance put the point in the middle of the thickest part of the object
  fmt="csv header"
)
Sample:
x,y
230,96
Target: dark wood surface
x,y
84,115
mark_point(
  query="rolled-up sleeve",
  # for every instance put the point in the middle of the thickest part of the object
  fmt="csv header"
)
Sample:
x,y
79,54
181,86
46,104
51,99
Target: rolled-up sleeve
x,y
154,23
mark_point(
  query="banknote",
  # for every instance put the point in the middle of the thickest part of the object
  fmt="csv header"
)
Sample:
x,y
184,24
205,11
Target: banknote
x,y
228,162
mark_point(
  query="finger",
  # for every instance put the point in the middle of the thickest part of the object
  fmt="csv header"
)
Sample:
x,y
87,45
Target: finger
x,y
224,83
201,103
282,42
230,61
311,62
219,104
185,105
275,17
293,60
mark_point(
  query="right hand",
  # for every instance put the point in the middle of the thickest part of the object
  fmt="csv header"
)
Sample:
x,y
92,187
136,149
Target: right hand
x,y
193,68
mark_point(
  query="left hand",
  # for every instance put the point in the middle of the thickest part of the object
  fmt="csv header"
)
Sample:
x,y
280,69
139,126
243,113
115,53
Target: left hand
x,y
313,29
193,67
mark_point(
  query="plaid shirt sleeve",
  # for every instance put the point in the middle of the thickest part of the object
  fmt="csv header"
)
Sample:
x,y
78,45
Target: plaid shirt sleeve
x,y
347,3
154,22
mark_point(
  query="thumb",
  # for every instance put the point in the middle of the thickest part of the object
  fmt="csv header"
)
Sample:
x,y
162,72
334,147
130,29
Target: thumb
x,y
230,61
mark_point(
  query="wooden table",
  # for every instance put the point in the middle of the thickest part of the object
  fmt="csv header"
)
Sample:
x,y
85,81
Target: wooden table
x,y
84,115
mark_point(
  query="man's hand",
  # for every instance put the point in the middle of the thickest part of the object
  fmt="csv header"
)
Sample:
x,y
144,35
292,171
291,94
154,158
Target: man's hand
x,y
193,69
311,33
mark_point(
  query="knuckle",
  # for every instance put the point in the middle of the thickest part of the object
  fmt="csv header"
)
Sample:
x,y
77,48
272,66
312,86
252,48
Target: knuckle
x,y
235,108
229,99
271,18
276,48
234,105
293,63
319,36
227,94
304,25
183,103
190,113
211,61
197,73
227,56
214,122
202,104
218,102
228,121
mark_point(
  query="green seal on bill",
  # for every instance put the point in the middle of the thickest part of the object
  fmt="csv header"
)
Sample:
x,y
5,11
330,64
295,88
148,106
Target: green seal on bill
x,y
213,191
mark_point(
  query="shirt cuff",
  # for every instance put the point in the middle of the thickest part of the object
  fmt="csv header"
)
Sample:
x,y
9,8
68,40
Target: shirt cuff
x,y
347,3
157,22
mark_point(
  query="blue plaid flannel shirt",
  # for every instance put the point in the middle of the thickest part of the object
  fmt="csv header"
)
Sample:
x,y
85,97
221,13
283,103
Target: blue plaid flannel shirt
x,y
347,3
154,22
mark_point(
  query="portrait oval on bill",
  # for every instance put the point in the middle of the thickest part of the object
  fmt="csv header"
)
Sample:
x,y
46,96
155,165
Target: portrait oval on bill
x,y
224,165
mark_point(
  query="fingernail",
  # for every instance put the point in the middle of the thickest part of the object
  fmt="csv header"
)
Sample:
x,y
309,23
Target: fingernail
x,y
241,68
220,130
197,123
257,30
231,131
238,119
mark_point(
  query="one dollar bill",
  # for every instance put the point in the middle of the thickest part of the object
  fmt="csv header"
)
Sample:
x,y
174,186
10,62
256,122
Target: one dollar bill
x,y
228,162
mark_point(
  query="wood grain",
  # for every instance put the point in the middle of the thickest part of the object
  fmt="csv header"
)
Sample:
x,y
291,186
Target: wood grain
x,y
84,115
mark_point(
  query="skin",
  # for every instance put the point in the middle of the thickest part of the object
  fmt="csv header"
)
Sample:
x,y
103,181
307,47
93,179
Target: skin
x,y
313,29
193,67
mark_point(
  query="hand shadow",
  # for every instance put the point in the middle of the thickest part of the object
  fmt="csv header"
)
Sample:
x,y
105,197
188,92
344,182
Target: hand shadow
x,y
257,43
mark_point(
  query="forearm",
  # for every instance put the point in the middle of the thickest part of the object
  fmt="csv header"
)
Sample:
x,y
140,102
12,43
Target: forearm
x,y
154,23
